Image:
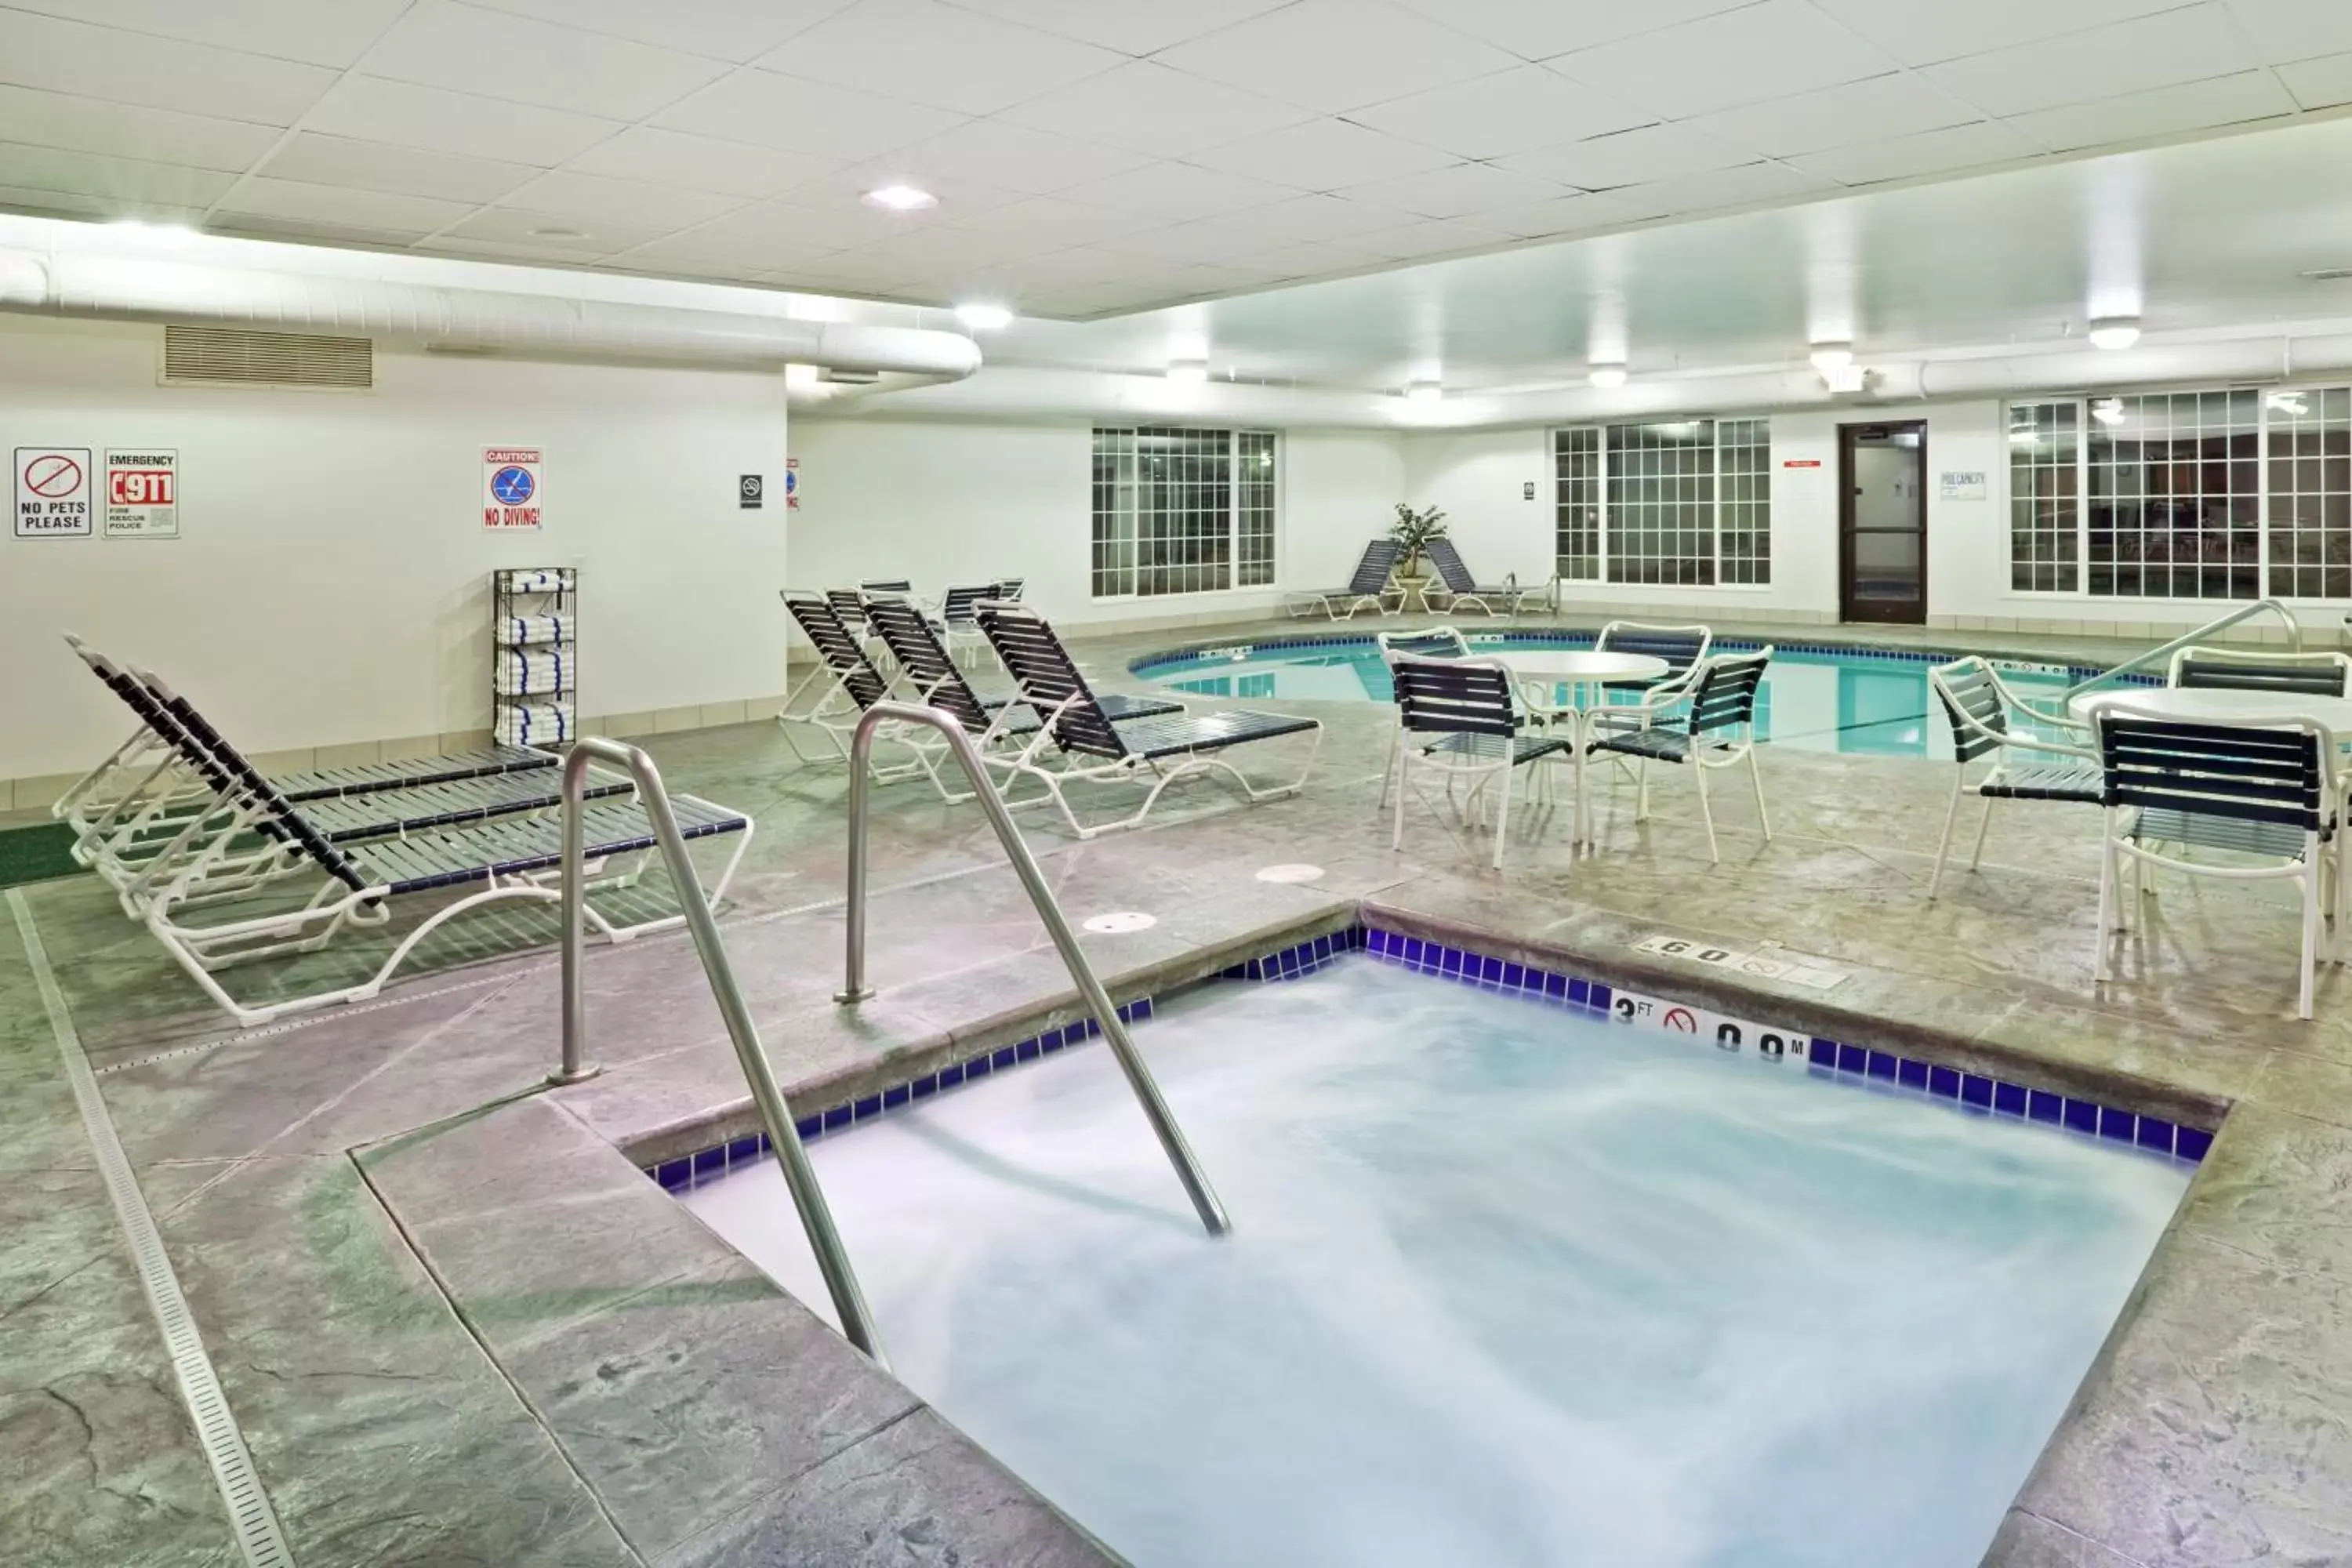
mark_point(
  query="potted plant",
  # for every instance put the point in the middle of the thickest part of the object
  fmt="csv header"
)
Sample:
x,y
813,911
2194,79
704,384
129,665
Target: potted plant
x,y
1413,530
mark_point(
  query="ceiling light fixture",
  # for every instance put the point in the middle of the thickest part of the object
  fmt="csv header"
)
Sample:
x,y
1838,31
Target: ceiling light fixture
x,y
984,318
1831,358
1424,390
2108,411
900,199
559,234
2115,333
1606,375
2290,404
152,232
1187,370
2328,274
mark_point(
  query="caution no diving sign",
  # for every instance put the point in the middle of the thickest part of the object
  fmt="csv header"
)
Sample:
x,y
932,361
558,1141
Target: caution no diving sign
x,y
513,491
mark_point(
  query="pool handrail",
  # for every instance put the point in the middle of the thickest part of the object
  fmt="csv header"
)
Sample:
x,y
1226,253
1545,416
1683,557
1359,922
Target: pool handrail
x,y
2165,651
855,990
817,1218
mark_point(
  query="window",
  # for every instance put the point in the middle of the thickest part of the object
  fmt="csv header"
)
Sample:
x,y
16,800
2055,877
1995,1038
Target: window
x,y
1182,512
2184,495
1685,502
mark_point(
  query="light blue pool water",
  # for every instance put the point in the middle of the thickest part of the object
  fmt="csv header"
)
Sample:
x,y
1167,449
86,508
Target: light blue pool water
x,y
1508,1285
1823,700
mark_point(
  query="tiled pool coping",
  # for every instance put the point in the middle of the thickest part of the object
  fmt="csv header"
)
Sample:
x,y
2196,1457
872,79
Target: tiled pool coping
x,y
1823,1058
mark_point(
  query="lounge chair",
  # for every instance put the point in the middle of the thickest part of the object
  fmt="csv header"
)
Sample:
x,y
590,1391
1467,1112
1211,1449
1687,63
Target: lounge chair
x,y
1094,749
1459,717
1458,588
1715,730
1370,587
1989,720
958,620
849,685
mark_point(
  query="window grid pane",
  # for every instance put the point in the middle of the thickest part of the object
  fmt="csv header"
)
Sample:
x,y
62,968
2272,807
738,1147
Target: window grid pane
x,y
1662,502
2175,495
1170,516
2310,458
2044,505
1744,507
1255,452
1576,470
1114,511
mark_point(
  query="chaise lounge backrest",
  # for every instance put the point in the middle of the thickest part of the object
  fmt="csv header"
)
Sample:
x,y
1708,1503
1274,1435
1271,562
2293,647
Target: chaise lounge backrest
x,y
916,649
1373,571
1048,678
838,647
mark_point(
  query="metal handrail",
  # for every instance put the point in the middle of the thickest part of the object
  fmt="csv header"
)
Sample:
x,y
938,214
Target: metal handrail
x,y
2188,639
816,1219
1057,925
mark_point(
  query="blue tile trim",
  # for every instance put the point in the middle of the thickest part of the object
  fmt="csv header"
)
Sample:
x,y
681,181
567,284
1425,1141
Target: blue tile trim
x,y
1827,1058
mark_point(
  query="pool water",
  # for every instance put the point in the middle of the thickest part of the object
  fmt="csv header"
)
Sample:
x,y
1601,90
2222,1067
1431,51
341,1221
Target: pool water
x,y
1853,700
1508,1285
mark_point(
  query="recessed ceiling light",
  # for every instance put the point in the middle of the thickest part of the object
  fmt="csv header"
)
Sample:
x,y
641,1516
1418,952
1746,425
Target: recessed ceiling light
x,y
1606,375
152,232
1187,370
2115,333
1424,391
1831,358
559,234
902,198
982,318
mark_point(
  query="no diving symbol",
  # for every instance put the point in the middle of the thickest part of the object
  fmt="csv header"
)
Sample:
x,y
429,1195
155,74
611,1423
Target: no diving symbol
x,y
52,476
1680,1018
512,485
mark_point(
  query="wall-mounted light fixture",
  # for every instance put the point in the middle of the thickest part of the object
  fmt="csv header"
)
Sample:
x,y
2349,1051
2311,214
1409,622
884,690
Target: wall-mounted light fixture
x,y
1606,375
2114,331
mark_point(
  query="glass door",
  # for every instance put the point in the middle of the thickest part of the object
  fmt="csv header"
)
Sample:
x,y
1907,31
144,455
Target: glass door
x,y
1883,523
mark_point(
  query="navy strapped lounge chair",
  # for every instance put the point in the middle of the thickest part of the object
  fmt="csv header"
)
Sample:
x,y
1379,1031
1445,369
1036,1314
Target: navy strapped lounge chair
x,y
1716,730
1989,720
1369,588
847,685
2269,790
1458,587
958,620
1460,717
1094,748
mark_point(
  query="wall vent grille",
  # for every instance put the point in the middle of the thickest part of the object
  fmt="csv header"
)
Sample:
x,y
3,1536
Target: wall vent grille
x,y
239,356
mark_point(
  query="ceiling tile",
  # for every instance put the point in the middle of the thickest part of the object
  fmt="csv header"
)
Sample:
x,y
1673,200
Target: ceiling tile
x,y
71,204
1745,185
1559,215
1629,157
929,53
1927,152
2322,83
123,180
702,269
700,162
601,201
1415,240
834,226
161,73
803,116
1456,192
1316,218
332,205
1322,155
570,234
1537,29
1858,112
2192,106
2296,30
949,255
377,166
406,115
1130,26
1010,157
123,130
2186,44
759,252
361,236
1922,32
1336,55
440,44
1062,221
1187,243
1766,50
334,34
1310,258
533,253
1147,108
1514,110
737,30
1174,192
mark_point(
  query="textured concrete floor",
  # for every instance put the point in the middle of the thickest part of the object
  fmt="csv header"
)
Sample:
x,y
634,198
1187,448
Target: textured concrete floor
x,y
458,1326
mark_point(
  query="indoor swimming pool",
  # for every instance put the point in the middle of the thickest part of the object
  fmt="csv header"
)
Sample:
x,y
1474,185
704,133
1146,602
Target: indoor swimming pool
x,y
1815,698
1508,1284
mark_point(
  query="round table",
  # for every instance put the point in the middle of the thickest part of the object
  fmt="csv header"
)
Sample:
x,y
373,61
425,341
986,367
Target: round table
x,y
2230,703
1585,672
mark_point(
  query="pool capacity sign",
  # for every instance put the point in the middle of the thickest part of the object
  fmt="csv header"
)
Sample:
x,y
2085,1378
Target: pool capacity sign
x,y
512,490
53,492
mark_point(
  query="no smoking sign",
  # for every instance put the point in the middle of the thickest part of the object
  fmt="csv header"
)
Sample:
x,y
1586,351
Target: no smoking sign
x,y
53,492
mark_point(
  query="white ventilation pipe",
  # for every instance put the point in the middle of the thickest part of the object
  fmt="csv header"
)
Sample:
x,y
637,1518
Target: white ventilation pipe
x,y
131,287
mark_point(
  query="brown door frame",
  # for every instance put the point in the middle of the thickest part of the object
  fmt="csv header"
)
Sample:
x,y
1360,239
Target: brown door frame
x,y
1847,434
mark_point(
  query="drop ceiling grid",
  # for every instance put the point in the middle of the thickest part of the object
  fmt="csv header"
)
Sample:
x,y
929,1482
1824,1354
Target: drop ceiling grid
x,y
1264,141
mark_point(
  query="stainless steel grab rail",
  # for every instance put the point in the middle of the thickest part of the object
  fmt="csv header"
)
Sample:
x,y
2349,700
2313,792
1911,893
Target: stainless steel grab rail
x,y
1057,925
2187,639
816,1219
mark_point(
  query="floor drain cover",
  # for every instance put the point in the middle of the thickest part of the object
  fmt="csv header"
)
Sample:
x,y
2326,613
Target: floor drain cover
x,y
1291,873
1125,919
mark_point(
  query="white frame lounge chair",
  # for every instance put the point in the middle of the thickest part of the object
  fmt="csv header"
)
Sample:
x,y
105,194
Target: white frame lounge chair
x,y
1369,588
1458,587
852,685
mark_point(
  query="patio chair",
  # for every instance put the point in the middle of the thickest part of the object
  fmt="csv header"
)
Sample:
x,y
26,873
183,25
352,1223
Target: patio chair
x,y
2266,791
2327,674
1681,646
852,685
1459,588
1094,749
1458,717
1369,587
1430,642
1988,719
1716,729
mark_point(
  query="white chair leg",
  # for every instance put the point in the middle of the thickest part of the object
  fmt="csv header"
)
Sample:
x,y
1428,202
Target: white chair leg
x,y
2101,969
2310,954
1403,778
1943,844
1755,782
1396,762
1706,812
1503,814
1642,791
1976,856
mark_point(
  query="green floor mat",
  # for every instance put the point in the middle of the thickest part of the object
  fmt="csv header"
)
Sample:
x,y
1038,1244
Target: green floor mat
x,y
35,854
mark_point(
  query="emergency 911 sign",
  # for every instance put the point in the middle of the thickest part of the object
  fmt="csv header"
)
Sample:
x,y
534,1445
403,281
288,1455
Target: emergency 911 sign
x,y
512,490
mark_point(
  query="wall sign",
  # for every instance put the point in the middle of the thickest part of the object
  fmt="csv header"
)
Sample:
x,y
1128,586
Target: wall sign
x,y
512,489
750,489
1527,490
791,484
1964,484
142,493
1800,462
53,492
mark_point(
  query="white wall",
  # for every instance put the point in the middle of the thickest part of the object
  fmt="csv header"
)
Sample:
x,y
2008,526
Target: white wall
x,y
330,583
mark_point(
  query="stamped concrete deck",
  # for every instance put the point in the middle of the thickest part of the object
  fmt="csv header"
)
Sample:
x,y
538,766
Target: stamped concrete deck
x,y
458,1326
